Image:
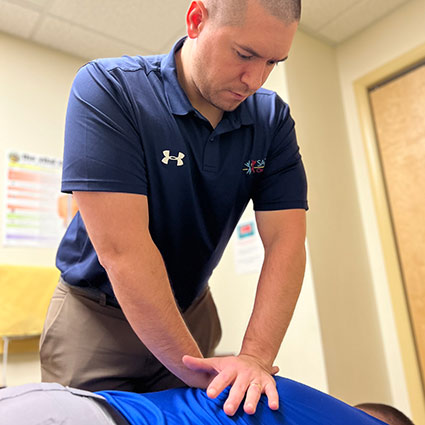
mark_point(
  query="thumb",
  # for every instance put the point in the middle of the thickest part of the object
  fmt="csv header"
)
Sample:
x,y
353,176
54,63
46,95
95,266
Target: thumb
x,y
197,364
274,370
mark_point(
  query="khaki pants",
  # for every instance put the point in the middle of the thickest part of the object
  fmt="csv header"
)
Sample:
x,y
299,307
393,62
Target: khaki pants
x,y
88,344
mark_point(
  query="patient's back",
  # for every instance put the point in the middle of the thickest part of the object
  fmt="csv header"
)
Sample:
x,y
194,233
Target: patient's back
x,y
299,405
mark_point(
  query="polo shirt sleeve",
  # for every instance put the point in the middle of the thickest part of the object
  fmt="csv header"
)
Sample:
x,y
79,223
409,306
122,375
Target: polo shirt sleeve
x,y
103,150
283,183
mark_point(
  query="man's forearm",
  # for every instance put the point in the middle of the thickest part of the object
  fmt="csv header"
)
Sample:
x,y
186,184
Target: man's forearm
x,y
141,285
137,272
277,294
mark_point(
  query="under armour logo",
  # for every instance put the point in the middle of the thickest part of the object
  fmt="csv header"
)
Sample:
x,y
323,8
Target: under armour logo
x,y
167,157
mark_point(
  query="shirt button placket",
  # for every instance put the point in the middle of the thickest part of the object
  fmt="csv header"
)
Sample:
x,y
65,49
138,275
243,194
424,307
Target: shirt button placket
x,y
211,155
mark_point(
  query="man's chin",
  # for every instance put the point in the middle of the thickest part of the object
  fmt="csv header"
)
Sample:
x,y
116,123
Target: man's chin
x,y
228,106
231,109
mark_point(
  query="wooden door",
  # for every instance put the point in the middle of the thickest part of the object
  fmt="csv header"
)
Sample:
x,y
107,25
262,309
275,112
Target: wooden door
x,y
398,108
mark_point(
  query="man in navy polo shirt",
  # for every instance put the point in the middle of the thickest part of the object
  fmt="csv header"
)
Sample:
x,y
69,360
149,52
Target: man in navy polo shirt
x,y
162,155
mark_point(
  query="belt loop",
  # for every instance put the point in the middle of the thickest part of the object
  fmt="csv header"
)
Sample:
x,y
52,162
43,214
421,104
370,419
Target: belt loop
x,y
102,299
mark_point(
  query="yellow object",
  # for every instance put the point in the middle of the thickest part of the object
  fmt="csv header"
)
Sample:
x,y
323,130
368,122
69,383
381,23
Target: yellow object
x,y
25,294
19,346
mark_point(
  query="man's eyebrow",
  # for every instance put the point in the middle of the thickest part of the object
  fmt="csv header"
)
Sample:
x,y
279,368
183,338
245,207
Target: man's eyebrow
x,y
257,55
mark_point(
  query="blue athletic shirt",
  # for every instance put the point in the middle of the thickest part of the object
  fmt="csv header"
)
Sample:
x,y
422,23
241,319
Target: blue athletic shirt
x,y
299,405
130,128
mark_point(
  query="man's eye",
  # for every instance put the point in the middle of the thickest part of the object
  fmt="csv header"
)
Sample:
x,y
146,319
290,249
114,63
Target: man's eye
x,y
245,57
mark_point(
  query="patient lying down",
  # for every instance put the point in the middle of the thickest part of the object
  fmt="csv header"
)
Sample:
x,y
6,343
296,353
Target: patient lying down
x,y
52,404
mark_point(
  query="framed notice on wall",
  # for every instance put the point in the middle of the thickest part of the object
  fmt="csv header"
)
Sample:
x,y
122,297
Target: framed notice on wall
x,y
32,213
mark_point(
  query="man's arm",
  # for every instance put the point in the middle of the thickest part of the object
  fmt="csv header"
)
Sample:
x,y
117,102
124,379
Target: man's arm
x,y
283,236
117,224
249,373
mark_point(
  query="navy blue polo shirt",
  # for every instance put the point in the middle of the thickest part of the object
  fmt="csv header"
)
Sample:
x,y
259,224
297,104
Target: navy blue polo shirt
x,y
130,128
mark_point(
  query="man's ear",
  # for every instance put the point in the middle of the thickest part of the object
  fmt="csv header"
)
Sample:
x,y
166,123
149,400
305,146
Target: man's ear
x,y
196,18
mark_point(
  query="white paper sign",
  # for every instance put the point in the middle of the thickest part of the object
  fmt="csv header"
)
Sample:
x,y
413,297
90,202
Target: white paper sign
x,y
249,251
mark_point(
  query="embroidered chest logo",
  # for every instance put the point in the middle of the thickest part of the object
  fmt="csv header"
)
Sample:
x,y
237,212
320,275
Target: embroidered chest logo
x,y
254,166
168,157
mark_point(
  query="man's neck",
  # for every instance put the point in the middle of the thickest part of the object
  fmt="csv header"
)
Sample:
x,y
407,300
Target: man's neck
x,y
210,112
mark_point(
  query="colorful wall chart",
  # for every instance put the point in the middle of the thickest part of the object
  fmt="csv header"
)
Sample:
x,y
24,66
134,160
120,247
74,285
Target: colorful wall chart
x,y
32,196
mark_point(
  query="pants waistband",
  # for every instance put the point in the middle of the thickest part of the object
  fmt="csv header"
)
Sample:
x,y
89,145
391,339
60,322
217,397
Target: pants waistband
x,y
105,299
91,293
102,403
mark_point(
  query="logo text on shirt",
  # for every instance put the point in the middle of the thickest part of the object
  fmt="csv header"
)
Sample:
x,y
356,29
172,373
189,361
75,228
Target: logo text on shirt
x,y
168,157
254,166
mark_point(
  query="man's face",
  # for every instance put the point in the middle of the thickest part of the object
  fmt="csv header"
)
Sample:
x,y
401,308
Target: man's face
x,y
231,63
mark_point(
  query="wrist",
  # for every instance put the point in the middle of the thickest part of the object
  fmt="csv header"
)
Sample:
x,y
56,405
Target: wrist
x,y
257,358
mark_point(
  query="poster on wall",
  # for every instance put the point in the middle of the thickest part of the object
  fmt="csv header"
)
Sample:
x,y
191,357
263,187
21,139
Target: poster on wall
x,y
35,213
248,248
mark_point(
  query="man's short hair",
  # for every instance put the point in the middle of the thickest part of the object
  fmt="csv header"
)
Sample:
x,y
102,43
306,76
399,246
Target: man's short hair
x,y
232,12
389,414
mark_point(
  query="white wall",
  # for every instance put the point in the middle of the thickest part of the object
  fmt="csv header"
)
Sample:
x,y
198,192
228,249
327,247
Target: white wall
x,y
34,87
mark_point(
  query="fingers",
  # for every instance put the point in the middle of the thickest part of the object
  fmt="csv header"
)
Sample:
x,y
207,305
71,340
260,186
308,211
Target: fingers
x,y
253,395
236,395
247,379
220,382
252,392
272,396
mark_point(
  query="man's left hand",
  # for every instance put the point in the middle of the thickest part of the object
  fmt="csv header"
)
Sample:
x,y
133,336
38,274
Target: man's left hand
x,y
248,377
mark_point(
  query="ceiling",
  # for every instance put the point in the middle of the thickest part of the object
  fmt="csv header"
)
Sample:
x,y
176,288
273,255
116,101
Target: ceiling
x,y
102,28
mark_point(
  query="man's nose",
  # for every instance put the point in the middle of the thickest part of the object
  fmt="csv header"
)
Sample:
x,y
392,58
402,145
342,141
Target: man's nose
x,y
254,76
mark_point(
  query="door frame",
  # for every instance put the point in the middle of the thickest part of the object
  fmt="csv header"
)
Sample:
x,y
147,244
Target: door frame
x,y
414,380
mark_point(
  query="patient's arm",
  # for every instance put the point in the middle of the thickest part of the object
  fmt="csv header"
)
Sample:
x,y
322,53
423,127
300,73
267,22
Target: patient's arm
x,y
117,224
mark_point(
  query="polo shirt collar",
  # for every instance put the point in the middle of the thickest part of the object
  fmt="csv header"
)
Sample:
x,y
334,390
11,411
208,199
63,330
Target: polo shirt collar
x,y
176,97
179,102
